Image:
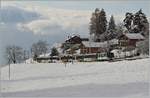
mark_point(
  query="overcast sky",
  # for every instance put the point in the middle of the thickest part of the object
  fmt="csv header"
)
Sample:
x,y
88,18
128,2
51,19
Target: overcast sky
x,y
24,22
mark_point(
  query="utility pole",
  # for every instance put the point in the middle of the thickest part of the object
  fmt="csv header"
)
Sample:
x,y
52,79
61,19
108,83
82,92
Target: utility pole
x,y
9,61
9,69
0,68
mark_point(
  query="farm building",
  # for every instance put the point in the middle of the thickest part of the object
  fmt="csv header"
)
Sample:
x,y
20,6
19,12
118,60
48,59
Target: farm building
x,y
127,45
72,43
88,47
130,39
81,49
75,39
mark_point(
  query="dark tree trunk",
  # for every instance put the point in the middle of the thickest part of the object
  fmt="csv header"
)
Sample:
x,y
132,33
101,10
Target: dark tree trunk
x,y
14,61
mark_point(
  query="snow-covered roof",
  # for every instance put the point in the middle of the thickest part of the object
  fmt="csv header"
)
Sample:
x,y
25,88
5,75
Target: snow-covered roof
x,y
134,36
115,50
45,55
100,44
57,45
113,41
78,51
94,44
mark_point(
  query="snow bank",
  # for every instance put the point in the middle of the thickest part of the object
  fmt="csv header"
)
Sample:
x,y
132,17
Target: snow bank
x,y
39,77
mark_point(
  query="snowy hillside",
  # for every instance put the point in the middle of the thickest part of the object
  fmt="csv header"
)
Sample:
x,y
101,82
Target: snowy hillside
x,y
123,79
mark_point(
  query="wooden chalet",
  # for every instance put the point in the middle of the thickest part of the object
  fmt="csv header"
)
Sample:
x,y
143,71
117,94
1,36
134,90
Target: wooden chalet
x,y
75,40
73,43
130,39
88,47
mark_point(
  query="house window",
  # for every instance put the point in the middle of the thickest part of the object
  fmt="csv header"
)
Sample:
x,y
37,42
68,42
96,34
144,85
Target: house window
x,y
84,50
123,42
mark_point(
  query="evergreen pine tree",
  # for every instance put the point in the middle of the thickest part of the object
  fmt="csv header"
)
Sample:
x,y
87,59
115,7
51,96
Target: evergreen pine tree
x,y
98,23
112,25
111,32
94,24
137,23
54,52
103,23
128,21
140,23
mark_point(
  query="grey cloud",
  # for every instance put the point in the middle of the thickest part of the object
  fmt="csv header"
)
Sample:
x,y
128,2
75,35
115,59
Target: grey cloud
x,y
11,14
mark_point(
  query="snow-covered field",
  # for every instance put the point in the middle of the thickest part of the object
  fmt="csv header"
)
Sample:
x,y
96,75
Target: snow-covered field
x,y
123,79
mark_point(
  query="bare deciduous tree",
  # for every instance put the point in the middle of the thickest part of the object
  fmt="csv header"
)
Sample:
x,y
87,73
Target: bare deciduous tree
x,y
14,54
41,47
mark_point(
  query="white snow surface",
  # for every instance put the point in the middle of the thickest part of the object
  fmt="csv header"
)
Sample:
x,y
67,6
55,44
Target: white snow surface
x,y
134,36
122,79
94,44
100,44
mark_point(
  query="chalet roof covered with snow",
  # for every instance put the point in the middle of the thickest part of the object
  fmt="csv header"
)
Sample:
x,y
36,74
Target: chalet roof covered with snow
x,y
100,44
94,44
134,36
113,41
